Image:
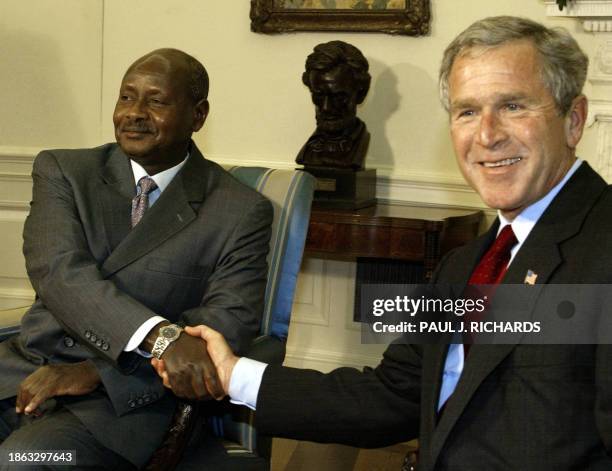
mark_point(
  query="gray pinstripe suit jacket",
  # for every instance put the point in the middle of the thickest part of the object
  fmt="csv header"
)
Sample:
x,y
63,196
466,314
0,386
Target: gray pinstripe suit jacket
x,y
197,256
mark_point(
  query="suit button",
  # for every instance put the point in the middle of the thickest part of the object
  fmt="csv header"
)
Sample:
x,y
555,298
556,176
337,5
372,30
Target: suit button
x,y
105,346
146,398
140,401
87,334
99,342
93,337
132,404
68,341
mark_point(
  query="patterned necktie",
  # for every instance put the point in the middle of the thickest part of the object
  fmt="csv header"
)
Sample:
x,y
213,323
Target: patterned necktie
x,y
140,203
493,265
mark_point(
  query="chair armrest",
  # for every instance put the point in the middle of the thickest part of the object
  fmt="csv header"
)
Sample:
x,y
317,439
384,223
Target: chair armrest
x,y
235,423
267,349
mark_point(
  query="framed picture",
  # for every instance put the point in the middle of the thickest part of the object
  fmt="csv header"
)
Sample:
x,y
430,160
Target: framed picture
x,y
408,17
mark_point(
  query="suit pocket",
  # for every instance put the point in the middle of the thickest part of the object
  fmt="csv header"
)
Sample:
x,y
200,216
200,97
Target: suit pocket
x,y
174,268
543,363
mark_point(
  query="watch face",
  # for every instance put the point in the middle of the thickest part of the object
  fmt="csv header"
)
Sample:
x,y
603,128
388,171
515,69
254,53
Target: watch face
x,y
169,332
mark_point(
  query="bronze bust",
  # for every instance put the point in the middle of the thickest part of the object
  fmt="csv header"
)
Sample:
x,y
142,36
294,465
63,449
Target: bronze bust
x,y
337,76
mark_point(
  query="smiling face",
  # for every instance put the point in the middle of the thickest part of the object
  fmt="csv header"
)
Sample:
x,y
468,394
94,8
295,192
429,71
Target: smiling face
x,y
155,115
511,143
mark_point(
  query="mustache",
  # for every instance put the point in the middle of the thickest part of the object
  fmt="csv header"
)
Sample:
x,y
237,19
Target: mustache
x,y
137,128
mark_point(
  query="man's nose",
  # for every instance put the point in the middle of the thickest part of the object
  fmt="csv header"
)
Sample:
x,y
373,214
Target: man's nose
x,y
491,130
136,110
326,104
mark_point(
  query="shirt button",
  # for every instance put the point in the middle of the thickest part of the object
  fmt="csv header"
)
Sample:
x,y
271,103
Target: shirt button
x,y
68,341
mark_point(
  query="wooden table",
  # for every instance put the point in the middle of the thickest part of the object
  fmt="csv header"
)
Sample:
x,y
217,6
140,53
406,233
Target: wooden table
x,y
399,232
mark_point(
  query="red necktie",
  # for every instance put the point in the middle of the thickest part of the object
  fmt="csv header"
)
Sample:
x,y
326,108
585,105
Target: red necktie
x,y
492,267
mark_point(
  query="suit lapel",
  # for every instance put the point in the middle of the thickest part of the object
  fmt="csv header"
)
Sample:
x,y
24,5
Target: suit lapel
x,y
115,197
541,253
169,215
434,356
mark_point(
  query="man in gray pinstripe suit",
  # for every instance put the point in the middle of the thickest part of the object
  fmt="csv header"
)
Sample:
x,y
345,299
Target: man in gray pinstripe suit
x,y
113,288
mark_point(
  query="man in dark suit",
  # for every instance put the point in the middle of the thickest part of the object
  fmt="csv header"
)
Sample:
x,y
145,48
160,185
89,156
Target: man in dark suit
x,y
122,242
513,92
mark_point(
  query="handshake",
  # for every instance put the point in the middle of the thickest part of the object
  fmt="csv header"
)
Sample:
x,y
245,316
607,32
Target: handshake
x,y
207,375
198,365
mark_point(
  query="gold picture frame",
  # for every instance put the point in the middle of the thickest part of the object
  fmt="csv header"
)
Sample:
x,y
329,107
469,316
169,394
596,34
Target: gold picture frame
x,y
405,17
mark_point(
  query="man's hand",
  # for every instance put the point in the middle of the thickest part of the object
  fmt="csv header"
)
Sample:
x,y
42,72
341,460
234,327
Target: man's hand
x,y
70,379
190,373
220,353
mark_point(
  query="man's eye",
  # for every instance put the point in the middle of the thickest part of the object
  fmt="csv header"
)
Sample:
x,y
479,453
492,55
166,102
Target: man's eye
x,y
124,97
341,98
513,106
465,113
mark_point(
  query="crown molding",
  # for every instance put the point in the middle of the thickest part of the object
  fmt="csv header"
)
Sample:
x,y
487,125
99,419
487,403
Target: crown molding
x,y
595,15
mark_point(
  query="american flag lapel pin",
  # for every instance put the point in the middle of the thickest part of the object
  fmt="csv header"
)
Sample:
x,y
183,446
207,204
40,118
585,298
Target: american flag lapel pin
x,y
530,277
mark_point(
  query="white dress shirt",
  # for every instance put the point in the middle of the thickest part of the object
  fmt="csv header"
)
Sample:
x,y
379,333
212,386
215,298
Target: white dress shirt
x,y
247,374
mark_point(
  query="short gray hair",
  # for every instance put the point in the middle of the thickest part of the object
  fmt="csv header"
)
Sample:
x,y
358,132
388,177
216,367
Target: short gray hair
x,y
564,64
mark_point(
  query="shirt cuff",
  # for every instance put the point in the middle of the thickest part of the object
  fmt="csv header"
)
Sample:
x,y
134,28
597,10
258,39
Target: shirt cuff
x,y
245,382
140,334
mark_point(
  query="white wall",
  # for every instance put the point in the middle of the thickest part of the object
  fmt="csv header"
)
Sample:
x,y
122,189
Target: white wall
x,y
60,68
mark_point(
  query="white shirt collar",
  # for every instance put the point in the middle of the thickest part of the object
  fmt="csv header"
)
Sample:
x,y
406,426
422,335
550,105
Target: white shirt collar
x,y
162,179
527,219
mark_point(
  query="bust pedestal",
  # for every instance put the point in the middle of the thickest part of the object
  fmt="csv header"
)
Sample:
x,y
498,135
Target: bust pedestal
x,y
343,188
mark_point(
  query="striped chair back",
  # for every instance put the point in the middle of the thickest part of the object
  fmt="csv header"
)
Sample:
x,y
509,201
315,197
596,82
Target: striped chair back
x,y
290,192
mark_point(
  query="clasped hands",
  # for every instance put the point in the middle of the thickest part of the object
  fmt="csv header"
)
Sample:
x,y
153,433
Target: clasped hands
x,y
210,377
197,365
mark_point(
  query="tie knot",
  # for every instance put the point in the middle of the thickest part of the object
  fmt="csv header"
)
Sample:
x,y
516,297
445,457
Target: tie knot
x,y
146,185
492,266
505,240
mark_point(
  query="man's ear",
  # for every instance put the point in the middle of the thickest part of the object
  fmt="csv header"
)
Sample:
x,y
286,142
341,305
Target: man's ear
x,y
575,121
200,112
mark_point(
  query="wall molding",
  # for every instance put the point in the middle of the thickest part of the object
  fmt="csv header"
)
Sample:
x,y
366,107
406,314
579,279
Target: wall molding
x,y
15,298
315,309
19,154
599,110
441,189
429,188
314,357
19,206
595,15
13,177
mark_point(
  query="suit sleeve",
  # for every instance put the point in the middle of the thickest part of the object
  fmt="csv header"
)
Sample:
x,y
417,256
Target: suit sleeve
x,y
65,275
234,298
369,408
